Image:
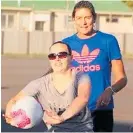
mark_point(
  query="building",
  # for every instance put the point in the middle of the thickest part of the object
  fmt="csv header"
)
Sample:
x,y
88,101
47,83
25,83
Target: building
x,y
112,16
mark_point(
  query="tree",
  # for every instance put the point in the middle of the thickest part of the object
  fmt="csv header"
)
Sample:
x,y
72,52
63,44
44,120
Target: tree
x,y
129,3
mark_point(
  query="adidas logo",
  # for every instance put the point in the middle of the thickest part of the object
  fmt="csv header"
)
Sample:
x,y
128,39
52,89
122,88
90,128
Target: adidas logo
x,y
85,58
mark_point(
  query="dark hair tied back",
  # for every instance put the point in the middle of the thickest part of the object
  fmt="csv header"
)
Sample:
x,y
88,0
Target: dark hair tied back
x,y
69,50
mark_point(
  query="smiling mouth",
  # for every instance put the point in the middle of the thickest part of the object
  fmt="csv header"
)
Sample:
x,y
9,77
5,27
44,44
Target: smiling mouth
x,y
84,27
58,65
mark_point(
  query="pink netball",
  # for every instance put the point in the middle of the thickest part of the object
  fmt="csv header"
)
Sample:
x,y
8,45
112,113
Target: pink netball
x,y
26,113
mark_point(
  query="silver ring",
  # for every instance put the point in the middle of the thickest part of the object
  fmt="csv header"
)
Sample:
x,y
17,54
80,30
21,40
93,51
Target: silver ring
x,y
103,103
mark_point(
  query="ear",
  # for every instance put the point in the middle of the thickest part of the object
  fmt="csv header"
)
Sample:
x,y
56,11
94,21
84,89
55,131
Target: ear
x,y
73,19
71,57
94,18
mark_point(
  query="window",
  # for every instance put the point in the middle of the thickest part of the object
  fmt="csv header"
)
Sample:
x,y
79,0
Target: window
x,y
68,19
10,21
107,20
68,23
3,21
114,20
39,25
7,21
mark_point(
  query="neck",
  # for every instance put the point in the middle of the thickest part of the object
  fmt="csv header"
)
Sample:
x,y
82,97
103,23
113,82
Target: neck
x,y
86,36
63,73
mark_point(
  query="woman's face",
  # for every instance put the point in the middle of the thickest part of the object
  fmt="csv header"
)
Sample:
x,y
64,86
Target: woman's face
x,y
59,58
84,21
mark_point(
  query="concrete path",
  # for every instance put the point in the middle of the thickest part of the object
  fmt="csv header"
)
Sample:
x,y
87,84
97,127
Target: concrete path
x,y
17,72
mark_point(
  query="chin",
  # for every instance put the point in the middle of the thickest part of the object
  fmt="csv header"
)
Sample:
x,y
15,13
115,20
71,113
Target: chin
x,y
86,32
58,70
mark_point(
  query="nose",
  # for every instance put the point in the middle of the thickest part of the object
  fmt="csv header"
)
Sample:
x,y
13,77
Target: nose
x,y
84,21
57,58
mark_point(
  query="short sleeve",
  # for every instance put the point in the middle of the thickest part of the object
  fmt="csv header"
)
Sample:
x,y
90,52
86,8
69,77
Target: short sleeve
x,y
83,78
114,52
32,89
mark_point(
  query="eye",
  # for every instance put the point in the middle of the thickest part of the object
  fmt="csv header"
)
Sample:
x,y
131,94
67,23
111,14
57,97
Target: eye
x,y
88,17
78,18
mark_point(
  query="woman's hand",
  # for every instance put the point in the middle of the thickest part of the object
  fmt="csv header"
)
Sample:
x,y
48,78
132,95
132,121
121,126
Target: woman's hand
x,y
7,118
51,118
7,115
105,98
13,101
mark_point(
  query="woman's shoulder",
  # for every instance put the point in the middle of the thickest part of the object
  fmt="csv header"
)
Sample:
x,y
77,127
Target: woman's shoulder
x,y
46,77
69,39
77,72
39,80
81,76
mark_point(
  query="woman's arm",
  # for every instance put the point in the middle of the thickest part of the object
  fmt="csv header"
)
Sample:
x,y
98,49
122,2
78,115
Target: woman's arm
x,y
30,90
83,93
9,105
120,81
81,100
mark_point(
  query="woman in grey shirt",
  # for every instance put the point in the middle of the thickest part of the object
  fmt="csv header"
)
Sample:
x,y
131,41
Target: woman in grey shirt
x,y
63,94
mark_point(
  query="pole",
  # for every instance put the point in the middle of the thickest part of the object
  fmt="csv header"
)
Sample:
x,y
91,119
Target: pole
x,y
19,3
67,15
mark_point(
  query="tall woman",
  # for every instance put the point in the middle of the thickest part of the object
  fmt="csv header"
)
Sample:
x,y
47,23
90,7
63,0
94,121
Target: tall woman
x,y
97,54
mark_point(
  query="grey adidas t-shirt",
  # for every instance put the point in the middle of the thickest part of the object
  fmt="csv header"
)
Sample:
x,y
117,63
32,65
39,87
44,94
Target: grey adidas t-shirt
x,y
50,98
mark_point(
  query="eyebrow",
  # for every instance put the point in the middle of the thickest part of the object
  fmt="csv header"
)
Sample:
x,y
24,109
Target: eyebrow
x,y
85,16
61,51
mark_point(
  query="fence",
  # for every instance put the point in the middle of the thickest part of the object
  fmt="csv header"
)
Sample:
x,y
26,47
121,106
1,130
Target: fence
x,y
28,43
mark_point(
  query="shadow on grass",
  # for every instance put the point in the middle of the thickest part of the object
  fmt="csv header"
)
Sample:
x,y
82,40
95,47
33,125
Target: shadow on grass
x,y
123,127
8,128
118,127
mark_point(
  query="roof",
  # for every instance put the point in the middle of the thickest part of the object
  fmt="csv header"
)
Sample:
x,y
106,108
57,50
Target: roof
x,y
100,6
112,6
40,5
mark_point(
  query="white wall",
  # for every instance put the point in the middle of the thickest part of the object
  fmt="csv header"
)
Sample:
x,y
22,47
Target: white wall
x,y
124,25
24,21
59,22
36,42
